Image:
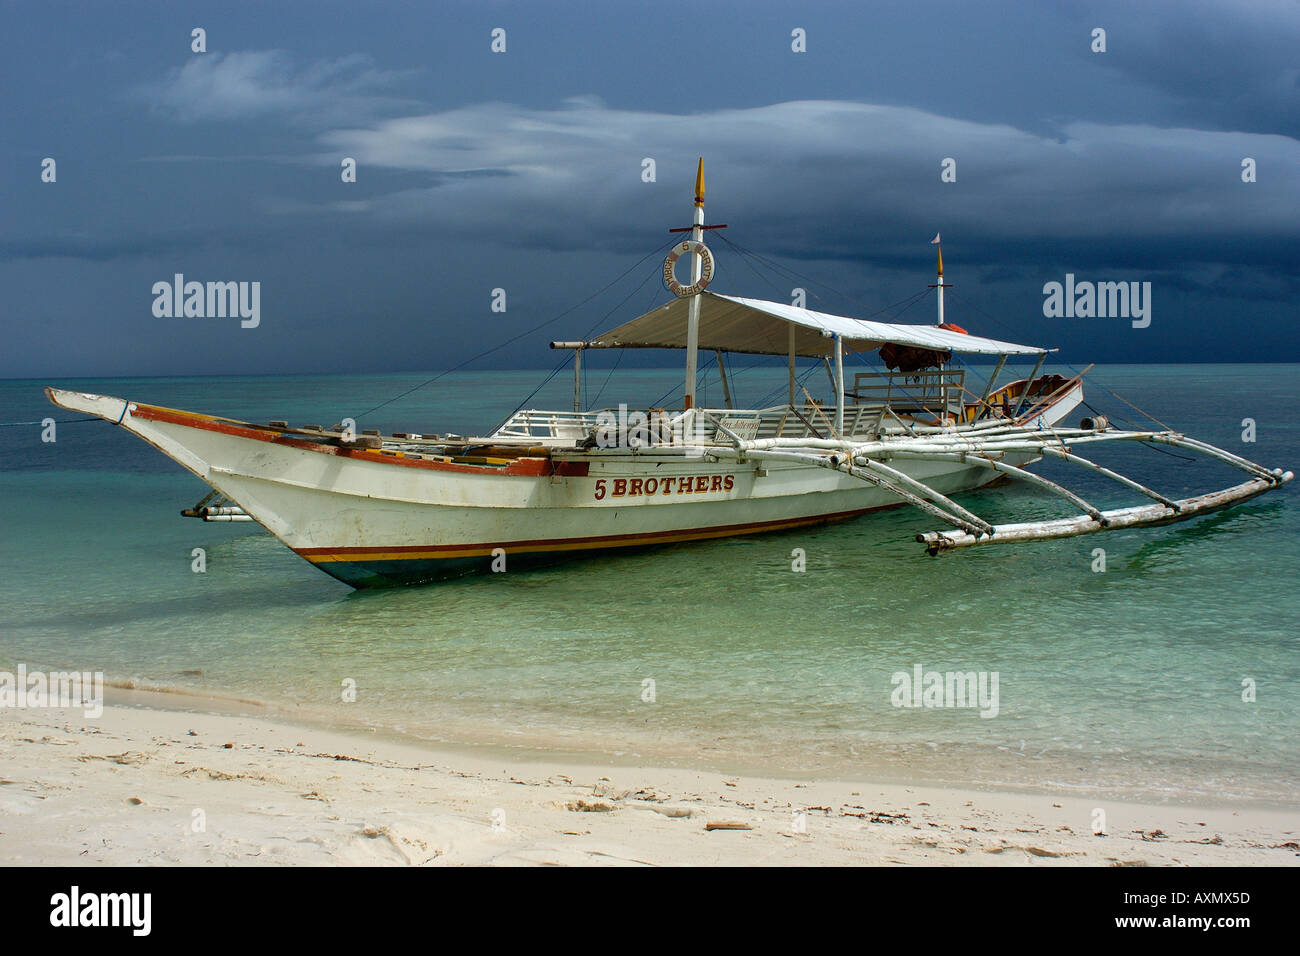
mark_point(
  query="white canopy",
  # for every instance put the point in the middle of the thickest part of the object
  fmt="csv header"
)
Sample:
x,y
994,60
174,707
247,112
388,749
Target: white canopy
x,y
733,324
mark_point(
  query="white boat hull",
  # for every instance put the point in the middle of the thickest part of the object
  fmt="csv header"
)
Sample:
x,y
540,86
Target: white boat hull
x,y
374,518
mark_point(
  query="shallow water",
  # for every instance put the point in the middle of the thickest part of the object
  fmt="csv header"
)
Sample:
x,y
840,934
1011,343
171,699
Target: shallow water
x,y
1127,681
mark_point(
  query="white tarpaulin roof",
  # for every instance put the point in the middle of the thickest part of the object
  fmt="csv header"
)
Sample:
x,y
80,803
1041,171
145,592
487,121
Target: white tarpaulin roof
x,y
733,324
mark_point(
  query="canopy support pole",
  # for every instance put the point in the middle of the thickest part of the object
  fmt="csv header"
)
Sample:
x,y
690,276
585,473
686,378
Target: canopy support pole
x,y
792,364
577,379
839,385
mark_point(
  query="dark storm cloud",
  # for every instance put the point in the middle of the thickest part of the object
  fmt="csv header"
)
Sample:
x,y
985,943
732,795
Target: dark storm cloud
x,y
1192,53
525,170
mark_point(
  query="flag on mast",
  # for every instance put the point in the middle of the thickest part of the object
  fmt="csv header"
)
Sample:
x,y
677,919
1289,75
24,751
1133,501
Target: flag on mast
x,y
935,240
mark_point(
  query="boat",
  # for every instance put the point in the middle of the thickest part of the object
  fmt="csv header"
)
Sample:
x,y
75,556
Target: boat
x,y
377,510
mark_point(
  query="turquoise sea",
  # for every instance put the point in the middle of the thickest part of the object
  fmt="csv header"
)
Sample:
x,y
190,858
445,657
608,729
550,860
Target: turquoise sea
x,y
1125,681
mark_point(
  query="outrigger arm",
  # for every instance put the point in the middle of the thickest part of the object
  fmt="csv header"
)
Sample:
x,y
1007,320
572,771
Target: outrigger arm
x,y
936,542
988,447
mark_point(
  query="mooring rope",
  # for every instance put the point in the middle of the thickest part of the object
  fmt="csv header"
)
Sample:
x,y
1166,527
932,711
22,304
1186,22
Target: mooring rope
x,y
51,421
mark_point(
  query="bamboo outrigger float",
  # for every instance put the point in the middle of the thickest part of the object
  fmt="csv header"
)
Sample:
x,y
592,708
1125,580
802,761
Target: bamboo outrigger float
x,y
378,510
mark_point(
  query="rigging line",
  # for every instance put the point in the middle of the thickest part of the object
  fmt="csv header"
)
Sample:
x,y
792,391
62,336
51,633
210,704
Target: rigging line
x,y
735,374
746,254
681,384
968,367
619,360
599,322
640,286
555,371
1121,417
910,300
51,421
777,267
1092,379
594,325
902,305
523,334
906,303
889,310
744,257
753,365
915,299
1127,402
785,271
799,380
1166,451
1129,421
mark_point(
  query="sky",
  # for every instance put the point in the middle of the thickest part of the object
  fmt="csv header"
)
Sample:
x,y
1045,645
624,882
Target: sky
x,y
525,170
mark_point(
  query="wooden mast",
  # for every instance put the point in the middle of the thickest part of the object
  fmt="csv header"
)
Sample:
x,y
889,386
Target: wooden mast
x,y
943,382
697,267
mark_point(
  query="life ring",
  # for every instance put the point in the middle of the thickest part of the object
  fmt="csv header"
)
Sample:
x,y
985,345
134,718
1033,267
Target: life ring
x,y
706,267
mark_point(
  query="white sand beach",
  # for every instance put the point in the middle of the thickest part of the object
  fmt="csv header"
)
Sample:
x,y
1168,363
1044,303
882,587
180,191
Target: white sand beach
x,y
148,783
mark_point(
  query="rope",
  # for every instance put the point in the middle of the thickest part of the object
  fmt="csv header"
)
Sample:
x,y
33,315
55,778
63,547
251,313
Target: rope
x,y
555,371
615,366
594,325
56,421
524,334
682,385
1092,381
617,361
798,380
777,267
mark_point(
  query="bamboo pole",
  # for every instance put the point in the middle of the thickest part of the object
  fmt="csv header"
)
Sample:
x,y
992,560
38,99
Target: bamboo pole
x,y
722,371
988,386
924,490
1020,399
1113,475
1047,400
817,408
975,526
1212,451
1028,476
937,542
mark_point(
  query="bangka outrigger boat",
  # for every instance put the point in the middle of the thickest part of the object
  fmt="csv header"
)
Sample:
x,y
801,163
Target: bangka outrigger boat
x,y
378,510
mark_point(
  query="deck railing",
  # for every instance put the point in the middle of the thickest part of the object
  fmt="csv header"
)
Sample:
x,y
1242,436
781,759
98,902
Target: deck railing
x,y
660,427
533,423
906,392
